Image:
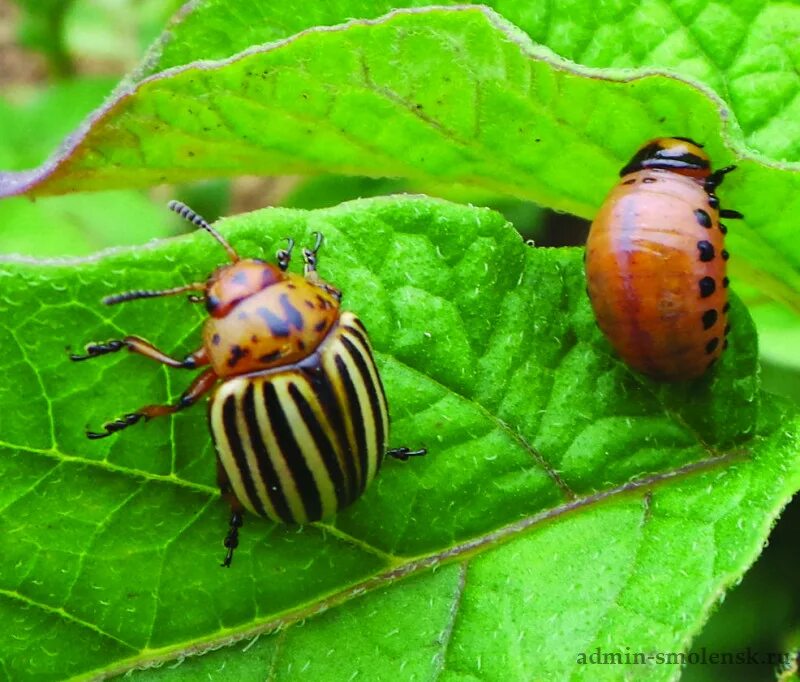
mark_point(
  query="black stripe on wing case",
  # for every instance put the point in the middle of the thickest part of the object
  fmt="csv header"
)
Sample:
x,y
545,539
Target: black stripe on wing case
x,y
354,407
234,443
292,455
326,397
326,449
266,468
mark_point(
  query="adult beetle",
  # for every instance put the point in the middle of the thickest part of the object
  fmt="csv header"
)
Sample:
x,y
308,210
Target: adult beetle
x,y
296,407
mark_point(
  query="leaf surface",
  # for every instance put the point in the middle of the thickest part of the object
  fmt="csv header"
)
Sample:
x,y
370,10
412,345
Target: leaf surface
x,y
565,504
442,95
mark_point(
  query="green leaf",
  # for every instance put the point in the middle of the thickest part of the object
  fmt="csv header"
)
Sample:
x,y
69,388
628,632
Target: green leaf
x,y
565,503
745,50
436,95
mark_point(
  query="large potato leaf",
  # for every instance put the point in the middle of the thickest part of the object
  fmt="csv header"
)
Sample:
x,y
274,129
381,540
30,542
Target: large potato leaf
x,y
442,95
565,504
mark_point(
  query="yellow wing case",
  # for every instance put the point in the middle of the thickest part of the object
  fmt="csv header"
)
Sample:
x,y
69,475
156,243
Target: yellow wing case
x,y
300,443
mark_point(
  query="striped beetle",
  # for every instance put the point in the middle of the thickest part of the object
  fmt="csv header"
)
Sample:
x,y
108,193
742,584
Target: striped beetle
x,y
297,410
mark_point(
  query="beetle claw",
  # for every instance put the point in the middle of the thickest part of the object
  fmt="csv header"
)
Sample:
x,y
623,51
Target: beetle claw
x,y
403,454
117,425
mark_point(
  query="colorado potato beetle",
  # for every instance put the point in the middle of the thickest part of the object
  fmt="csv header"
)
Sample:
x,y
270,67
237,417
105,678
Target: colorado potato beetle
x,y
297,410
656,262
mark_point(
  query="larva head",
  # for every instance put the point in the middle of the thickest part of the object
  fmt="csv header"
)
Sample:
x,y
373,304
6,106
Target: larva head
x,y
677,154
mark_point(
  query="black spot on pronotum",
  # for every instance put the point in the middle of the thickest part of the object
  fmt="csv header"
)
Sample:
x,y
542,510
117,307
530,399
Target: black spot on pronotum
x,y
725,282
319,326
709,318
706,249
270,357
277,326
725,255
702,217
707,286
293,315
711,346
237,353
215,339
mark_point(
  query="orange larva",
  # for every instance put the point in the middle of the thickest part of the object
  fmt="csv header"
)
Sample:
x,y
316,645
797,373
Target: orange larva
x,y
656,262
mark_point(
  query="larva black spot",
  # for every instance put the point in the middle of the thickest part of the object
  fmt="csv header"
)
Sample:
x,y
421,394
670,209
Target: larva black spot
x,y
725,345
702,217
706,250
723,229
709,318
713,201
725,282
632,181
707,287
725,255
727,329
711,346
726,307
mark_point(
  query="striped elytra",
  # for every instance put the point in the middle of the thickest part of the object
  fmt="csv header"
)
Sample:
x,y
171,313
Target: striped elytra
x,y
329,409
656,262
297,411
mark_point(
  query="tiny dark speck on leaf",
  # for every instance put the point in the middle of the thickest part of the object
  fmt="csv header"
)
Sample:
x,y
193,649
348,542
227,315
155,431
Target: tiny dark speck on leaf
x,y
537,140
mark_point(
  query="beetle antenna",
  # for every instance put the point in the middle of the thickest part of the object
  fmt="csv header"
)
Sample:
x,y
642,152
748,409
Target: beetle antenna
x,y
188,214
151,293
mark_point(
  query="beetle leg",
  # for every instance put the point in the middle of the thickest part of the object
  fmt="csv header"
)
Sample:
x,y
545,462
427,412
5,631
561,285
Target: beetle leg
x,y
404,453
284,256
310,255
715,179
200,386
310,270
137,345
231,541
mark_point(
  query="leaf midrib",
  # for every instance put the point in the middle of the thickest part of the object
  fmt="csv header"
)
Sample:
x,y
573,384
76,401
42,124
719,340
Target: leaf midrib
x,y
411,566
